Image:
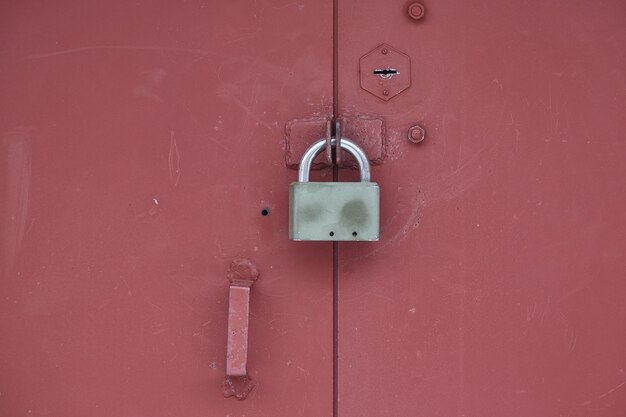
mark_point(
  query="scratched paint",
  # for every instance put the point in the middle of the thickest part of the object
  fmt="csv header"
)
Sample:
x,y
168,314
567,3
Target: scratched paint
x,y
16,196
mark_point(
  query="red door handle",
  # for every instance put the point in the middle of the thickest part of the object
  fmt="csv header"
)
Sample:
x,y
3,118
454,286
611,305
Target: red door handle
x,y
242,274
238,320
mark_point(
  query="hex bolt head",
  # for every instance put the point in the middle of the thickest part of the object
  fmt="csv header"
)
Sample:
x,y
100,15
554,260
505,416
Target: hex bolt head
x,y
416,11
416,134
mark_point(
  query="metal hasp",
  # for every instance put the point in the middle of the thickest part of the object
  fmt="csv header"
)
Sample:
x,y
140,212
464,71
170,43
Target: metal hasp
x,y
366,130
385,72
334,211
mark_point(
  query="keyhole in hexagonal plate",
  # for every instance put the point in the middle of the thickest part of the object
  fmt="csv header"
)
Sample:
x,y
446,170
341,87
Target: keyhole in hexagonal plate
x,y
391,69
386,73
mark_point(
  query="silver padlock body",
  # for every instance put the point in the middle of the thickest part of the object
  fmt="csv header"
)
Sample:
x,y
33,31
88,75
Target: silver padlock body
x,y
334,211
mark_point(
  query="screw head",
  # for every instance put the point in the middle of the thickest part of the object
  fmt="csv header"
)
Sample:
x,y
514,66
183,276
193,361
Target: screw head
x,y
416,11
385,92
416,134
384,51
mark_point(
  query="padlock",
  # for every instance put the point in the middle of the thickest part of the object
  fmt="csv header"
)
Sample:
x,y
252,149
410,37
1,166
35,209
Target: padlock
x,y
347,211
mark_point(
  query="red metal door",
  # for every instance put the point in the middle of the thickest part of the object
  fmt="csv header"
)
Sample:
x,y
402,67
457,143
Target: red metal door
x,y
141,142
142,153
497,287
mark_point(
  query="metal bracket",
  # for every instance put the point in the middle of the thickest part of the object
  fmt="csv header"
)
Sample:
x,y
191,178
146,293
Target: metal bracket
x,y
338,148
329,138
367,131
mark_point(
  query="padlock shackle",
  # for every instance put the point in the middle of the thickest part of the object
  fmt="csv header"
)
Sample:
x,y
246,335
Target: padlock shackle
x,y
346,144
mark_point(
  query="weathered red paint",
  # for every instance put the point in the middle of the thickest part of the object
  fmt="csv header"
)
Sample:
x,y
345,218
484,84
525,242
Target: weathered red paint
x,y
141,141
497,287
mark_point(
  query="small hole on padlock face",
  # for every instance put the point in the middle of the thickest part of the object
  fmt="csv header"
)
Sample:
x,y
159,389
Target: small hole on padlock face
x,y
265,212
332,233
354,234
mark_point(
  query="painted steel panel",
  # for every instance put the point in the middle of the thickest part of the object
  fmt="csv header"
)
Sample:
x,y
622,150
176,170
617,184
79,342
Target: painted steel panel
x,y
140,143
497,287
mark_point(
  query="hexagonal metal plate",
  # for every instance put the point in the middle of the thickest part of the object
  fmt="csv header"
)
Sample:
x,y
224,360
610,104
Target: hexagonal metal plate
x,y
385,72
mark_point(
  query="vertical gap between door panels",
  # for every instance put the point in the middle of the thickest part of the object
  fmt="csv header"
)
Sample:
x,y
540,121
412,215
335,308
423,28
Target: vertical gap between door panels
x,y
335,244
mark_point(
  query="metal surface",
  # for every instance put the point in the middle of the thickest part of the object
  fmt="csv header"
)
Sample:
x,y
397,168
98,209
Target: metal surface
x,y
497,287
329,144
140,144
347,145
334,211
141,140
339,147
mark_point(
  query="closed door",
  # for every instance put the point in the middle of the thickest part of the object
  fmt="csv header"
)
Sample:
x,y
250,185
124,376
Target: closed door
x,y
497,287
148,146
142,142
